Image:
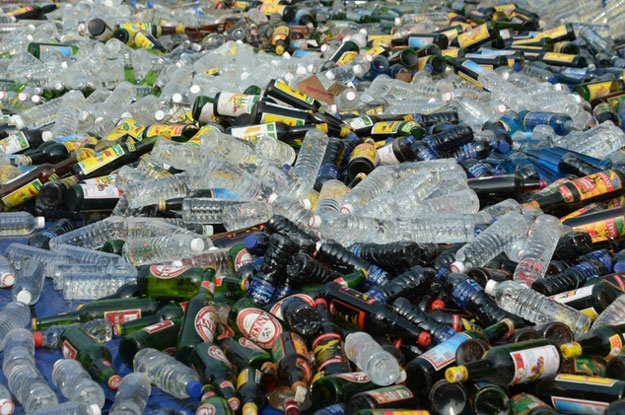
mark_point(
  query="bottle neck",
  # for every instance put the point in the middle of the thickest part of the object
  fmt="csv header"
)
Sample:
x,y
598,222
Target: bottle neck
x,y
478,370
58,319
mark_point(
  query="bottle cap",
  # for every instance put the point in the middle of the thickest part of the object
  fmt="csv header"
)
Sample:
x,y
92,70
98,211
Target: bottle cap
x,y
117,329
250,242
159,115
17,121
6,407
40,222
438,304
291,407
177,98
250,408
94,409
619,266
457,266
47,136
197,245
114,381
194,389
489,289
234,403
38,338
571,349
456,374
425,339
315,221
7,279
24,297
33,323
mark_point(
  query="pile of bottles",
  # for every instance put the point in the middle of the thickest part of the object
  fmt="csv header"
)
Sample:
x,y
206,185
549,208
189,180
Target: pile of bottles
x,y
326,207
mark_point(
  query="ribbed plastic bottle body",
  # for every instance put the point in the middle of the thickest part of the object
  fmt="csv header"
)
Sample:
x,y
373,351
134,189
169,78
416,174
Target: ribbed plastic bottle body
x,y
381,366
165,372
177,155
19,350
205,210
375,184
405,195
439,229
538,250
310,157
161,249
298,214
280,180
19,223
218,258
87,255
246,214
30,388
223,174
91,286
14,315
228,147
348,229
40,115
29,284
6,403
76,384
492,241
68,408
597,142
499,209
144,109
94,235
118,101
132,396
68,117
457,203
150,192
18,254
330,197
270,149
123,270
612,315
526,303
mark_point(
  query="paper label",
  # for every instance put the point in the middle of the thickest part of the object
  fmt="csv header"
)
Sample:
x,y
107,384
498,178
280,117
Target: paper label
x,y
535,363
578,406
445,353
268,117
23,194
386,127
387,155
107,191
559,57
161,325
474,36
206,323
122,316
346,58
69,352
355,377
233,105
259,326
252,132
294,93
390,394
167,271
360,122
101,159
14,143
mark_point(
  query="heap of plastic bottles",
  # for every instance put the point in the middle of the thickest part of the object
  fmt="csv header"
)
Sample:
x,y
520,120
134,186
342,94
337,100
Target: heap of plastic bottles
x,y
317,207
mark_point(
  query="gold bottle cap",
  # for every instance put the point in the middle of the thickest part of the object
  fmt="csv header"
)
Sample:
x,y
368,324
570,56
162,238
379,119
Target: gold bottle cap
x,y
571,349
456,374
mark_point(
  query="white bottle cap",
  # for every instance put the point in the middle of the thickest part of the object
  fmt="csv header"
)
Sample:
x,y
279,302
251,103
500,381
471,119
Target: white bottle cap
x,y
6,407
7,279
24,297
177,98
17,121
490,287
195,89
46,136
40,222
350,96
457,266
397,21
159,115
197,245
94,409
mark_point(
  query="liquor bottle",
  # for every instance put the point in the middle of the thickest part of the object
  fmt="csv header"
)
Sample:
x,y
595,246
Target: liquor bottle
x,y
511,364
328,389
95,357
556,332
474,348
526,404
284,94
243,353
278,130
200,319
565,391
290,354
180,133
212,404
112,158
55,152
571,278
412,283
42,239
440,332
172,311
223,104
605,341
385,129
507,185
170,282
249,390
20,141
212,366
161,336
85,197
254,323
116,311
363,312
328,347
592,299
396,396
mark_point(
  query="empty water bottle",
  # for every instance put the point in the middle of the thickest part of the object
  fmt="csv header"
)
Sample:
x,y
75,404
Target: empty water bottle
x,y
30,389
381,366
7,273
100,329
29,284
87,282
19,350
132,395
6,404
538,249
612,315
76,384
246,214
67,408
14,315
162,249
19,223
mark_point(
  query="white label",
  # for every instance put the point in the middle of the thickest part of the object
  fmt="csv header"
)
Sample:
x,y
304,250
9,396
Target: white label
x,y
167,271
360,122
573,295
252,132
533,364
14,143
206,323
233,105
259,326
387,155
102,191
216,353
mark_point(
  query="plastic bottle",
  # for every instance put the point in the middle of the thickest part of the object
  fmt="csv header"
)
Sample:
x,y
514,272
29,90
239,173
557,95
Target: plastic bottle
x,y
18,254
132,396
6,404
68,117
7,273
167,373
14,315
141,251
80,272
18,351
310,157
100,329
246,214
612,315
30,388
28,287
381,367
76,384
19,223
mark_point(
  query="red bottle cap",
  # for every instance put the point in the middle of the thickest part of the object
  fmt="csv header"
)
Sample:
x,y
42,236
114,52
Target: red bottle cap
x,y
438,304
291,407
319,301
114,381
425,339
38,336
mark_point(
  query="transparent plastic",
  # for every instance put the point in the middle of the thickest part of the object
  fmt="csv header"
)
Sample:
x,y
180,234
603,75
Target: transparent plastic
x,y
612,315
14,315
167,373
19,223
246,214
76,384
100,329
7,273
6,403
381,366
132,396
30,389
310,157
19,350
161,249
69,115
537,252
67,408
205,210
91,283
29,284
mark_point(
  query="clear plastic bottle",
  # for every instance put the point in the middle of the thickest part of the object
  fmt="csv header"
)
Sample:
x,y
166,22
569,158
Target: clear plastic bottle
x,y
218,258
144,109
612,315
6,404
100,329
38,116
132,396
87,255
18,254
68,117
294,210
310,157
118,271
461,202
491,242
381,366
30,388
14,315
67,408
19,350
88,285
270,149
76,384
375,184
538,250
281,180
29,284
205,210
167,373
246,214
7,273
19,223
330,197
597,142
94,235
163,249
519,299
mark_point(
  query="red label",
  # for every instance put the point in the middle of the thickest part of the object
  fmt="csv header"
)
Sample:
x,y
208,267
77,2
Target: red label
x,y
206,323
226,332
356,377
243,257
248,344
216,353
68,350
205,409
122,316
259,326
158,326
167,271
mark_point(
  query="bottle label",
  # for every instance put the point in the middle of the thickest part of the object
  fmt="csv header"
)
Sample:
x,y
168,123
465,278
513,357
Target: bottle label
x,y
592,185
612,228
206,409
391,394
259,326
360,122
349,313
144,41
244,375
69,351
233,105
599,89
578,406
165,130
19,11
122,316
14,143
293,93
107,191
243,257
616,345
387,155
276,309
346,58
559,57
354,377
463,292
523,403
59,49
473,36
167,271
206,323
445,353
161,325
366,151
374,51
419,42
386,127
23,194
268,9
555,33
291,121
576,295
248,344
474,70
101,159
533,119
252,133
327,350
216,353
535,363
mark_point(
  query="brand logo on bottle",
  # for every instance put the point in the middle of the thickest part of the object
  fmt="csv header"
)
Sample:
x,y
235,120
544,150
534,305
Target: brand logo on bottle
x,y
276,310
258,326
243,257
170,351
356,377
248,344
122,316
226,332
69,352
158,326
216,353
206,409
205,323
167,271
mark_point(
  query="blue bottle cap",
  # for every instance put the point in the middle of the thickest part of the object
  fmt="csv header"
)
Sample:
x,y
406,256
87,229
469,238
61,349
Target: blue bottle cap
x,y
503,146
194,389
619,266
517,66
250,242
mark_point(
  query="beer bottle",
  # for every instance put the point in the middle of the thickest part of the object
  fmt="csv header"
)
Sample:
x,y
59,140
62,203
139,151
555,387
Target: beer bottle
x,y
328,345
384,129
511,364
200,319
507,185
396,396
328,389
95,357
170,282
117,311
526,404
357,310
211,404
605,341
278,130
284,94
592,299
171,311
486,398
249,390
212,366
564,392
474,349
243,353
256,324
290,354
20,141
161,336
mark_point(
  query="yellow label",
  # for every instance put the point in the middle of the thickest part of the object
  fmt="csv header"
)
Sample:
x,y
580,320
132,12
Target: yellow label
x,y
590,312
23,194
367,151
293,92
19,11
242,378
381,40
212,71
279,33
616,345
469,79
451,34
505,8
559,57
374,51
452,53
128,126
346,58
473,36
599,89
165,130
385,127
101,159
142,40
586,379
268,117
268,9
555,33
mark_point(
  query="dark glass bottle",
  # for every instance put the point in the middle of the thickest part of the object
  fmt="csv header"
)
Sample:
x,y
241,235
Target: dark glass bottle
x,y
564,392
396,396
213,404
213,367
112,158
591,299
475,348
503,186
397,255
290,354
170,282
249,390
300,316
328,389
161,336
342,260
573,245
526,404
42,239
256,324
328,345
172,311
570,279
86,197
605,341
243,353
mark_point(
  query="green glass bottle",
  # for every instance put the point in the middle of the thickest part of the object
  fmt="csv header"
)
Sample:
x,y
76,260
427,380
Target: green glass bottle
x,y
171,311
254,323
117,311
113,246
95,357
605,341
213,367
526,404
574,394
330,389
161,336
249,390
169,281
212,404
245,353
395,396
200,319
